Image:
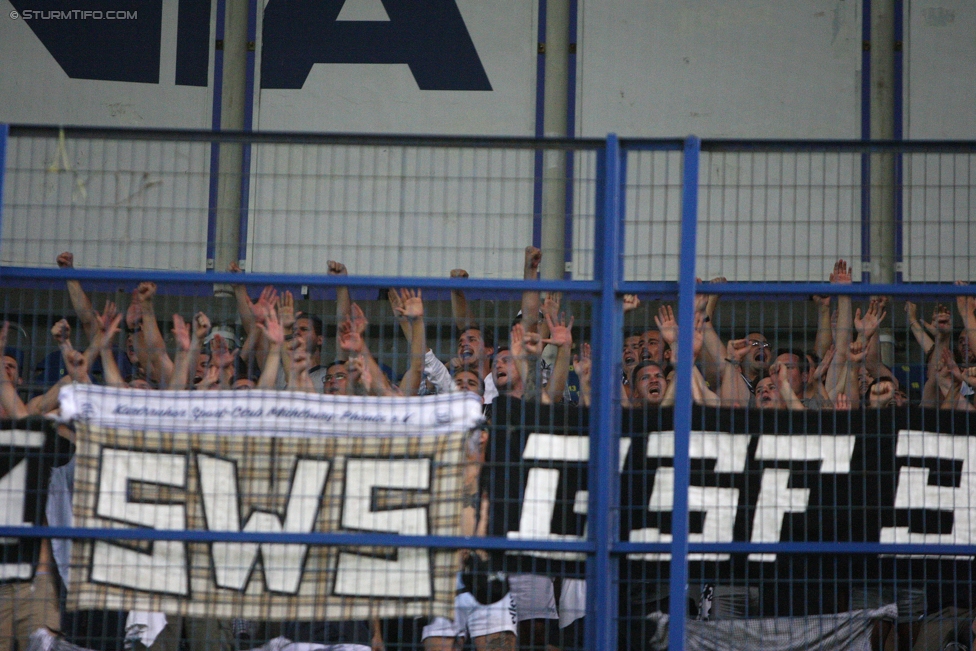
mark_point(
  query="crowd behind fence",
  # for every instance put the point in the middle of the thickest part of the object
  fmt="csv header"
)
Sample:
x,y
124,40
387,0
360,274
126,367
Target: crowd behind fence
x,y
791,466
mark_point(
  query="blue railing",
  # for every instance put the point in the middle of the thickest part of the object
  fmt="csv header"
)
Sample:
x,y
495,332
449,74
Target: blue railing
x,y
604,547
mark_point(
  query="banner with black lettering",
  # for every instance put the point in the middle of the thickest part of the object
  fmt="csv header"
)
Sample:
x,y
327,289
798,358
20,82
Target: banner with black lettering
x,y
894,476
29,449
394,466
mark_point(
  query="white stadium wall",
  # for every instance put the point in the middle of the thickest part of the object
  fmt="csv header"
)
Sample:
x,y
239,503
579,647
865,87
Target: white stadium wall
x,y
939,198
126,63
465,68
718,69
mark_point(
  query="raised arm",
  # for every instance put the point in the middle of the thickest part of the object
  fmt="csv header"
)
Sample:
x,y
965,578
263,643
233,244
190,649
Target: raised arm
x,y
108,323
967,310
733,389
411,307
918,329
790,399
160,365
79,299
951,379
530,299
825,337
9,398
561,336
460,310
715,357
343,302
184,356
867,328
838,374
353,343
257,345
272,332
244,306
287,317
941,330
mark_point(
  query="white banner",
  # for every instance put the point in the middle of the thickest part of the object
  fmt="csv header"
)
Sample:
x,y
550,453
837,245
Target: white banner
x,y
266,413
266,462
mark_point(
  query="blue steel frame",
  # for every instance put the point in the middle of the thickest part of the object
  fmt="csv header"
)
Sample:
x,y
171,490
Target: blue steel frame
x,y
603,547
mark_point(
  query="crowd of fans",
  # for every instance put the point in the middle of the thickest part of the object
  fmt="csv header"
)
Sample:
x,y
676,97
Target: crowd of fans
x,y
282,348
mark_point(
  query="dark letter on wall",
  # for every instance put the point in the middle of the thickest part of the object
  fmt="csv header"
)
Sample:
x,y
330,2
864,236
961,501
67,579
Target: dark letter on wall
x,y
429,36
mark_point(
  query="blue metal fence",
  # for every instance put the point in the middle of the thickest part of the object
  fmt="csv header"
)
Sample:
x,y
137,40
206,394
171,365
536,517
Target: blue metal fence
x,y
604,548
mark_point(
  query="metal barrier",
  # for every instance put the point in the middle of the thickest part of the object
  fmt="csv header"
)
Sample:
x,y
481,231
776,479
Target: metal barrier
x,y
646,218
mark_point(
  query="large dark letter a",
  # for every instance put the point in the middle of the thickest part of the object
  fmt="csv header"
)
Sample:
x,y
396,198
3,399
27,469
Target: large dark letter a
x,y
428,35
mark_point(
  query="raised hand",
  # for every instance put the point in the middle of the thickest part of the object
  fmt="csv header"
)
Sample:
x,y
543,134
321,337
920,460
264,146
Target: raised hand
x,y
108,322
857,352
842,402
220,355
560,332
265,303
701,300
337,268
552,302
396,304
459,273
822,302
358,319
77,366
286,310
868,324
144,292
61,332
531,344
413,304
350,340
201,326
271,328
299,356
841,274
533,258
950,364
583,363
667,324
631,303
133,315
698,339
737,349
515,338
66,260
965,304
912,311
181,332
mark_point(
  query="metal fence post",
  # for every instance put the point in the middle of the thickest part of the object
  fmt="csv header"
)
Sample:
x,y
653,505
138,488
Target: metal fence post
x,y
601,606
682,401
4,132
